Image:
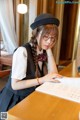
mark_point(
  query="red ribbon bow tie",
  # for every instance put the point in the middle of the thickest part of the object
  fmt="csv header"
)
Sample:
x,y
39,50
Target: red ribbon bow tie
x,y
42,57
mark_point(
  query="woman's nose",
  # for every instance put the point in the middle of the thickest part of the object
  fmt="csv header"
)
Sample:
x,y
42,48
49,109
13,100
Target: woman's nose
x,y
49,40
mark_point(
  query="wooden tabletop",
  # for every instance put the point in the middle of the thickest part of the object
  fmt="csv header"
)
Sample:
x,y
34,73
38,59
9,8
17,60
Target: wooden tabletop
x,y
70,70
40,106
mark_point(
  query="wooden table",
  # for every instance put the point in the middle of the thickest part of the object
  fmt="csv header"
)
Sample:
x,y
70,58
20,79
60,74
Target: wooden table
x,y
40,106
6,60
70,70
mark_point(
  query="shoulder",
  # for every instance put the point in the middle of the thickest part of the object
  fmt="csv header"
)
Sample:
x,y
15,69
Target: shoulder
x,y
20,51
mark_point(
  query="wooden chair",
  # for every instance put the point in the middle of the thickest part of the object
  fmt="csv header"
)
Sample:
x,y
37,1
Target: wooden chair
x,y
4,73
7,61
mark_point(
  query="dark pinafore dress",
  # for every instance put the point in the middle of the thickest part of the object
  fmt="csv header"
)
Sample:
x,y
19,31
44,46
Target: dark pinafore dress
x,y
10,97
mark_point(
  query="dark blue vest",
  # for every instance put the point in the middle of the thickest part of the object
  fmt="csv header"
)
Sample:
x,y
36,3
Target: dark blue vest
x,y
30,74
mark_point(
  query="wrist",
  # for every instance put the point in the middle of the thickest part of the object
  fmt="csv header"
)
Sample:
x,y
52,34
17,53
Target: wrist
x,y
49,52
41,79
38,81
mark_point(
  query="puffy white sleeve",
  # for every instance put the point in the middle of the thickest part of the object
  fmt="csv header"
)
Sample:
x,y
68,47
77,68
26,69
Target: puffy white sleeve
x,y
19,63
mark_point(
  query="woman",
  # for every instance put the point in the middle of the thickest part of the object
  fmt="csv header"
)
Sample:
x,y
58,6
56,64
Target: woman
x,y
33,64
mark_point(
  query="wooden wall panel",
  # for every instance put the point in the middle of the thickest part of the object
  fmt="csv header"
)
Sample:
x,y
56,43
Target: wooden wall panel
x,y
39,7
69,22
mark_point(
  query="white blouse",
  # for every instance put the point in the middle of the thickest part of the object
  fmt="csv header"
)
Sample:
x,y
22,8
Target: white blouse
x,y
19,63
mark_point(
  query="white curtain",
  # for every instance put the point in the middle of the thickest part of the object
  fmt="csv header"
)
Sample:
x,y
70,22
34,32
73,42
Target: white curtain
x,y
7,25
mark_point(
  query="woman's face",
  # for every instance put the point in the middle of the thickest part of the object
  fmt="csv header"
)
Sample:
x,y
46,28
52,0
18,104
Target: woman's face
x,y
46,41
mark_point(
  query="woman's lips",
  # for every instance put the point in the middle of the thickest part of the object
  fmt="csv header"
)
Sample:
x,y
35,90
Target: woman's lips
x,y
46,46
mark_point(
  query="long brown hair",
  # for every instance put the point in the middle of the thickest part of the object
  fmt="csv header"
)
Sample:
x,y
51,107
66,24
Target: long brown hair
x,y
46,29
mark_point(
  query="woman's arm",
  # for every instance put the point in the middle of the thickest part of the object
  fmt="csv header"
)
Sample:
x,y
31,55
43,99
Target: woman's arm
x,y
18,72
51,62
22,84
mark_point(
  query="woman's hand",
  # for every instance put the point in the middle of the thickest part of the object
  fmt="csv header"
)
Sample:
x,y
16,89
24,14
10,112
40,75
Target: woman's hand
x,y
52,45
50,77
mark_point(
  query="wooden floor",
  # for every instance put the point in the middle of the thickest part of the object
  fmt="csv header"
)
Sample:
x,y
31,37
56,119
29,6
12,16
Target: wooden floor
x,y
64,62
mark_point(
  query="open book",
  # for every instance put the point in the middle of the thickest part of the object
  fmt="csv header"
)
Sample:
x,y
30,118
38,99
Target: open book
x,y
68,88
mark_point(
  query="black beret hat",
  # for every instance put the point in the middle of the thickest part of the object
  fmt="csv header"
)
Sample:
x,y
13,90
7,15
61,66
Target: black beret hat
x,y
44,19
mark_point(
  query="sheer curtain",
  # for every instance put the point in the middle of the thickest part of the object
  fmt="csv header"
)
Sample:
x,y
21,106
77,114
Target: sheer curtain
x,y
7,25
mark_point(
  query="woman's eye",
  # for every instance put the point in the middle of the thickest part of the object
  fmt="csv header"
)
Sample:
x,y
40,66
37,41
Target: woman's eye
x,y
45,36
52,38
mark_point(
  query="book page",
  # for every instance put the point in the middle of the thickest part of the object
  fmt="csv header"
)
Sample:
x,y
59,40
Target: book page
x,y
68,88
73,82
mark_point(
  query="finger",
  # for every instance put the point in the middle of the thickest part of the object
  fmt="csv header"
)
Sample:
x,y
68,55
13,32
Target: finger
x,y
56,81
58,75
